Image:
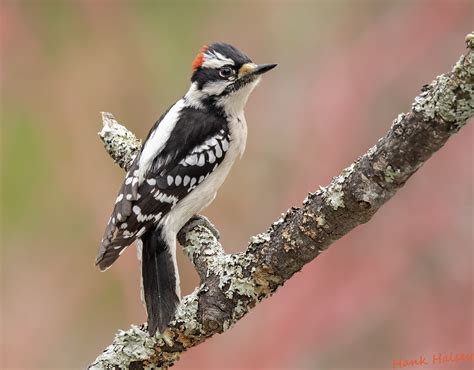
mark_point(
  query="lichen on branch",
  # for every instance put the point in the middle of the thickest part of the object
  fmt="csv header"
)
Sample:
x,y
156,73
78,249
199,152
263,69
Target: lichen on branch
x,y
121,144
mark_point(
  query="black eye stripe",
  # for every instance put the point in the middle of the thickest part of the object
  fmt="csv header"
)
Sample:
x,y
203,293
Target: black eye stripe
x,y
207,74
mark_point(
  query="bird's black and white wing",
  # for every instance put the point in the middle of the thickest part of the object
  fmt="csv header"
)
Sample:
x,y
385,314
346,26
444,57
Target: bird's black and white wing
x,y
191,153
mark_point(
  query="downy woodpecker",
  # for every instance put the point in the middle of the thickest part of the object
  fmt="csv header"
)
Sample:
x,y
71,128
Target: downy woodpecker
x,y
183,161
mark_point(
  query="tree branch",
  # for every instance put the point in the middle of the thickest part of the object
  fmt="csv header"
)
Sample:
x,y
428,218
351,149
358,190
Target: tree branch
x,y
232,284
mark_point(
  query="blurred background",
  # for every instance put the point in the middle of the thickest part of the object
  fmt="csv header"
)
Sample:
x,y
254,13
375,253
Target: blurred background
x,y
398,287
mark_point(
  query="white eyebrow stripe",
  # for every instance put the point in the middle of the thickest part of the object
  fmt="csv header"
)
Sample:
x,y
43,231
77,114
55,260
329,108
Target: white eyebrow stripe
x,y
215,63
214,59
221,57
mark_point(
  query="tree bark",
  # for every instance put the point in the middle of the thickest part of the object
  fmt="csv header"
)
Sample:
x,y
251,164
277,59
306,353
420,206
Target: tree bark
x,y
232,284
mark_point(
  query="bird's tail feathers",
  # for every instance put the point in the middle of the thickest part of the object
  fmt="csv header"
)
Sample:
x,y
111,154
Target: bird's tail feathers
x,y
160,280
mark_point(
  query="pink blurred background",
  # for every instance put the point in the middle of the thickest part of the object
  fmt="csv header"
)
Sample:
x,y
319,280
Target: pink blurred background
x,y
398,287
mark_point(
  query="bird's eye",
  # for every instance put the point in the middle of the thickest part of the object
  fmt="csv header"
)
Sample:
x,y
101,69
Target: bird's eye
x,y
226,72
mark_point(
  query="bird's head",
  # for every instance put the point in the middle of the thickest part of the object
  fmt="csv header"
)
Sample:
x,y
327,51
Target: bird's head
x,y
224,76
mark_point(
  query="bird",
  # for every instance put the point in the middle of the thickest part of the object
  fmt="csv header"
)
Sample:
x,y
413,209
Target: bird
x,y
183,161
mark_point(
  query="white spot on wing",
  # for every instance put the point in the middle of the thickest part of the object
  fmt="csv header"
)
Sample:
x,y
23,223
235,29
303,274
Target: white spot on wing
x,y
218,151
192,160
186,180
151,182
169,180
211,142
212,157
177,180
225,145
164,198
201,161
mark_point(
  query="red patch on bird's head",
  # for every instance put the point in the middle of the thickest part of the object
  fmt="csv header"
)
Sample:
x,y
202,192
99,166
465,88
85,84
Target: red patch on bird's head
x,y
197,63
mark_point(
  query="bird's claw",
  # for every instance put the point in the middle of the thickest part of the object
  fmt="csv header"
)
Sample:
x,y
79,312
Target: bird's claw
x,y
198,220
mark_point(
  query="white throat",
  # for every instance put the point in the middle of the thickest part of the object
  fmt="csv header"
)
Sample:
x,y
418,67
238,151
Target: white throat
x,y
234,103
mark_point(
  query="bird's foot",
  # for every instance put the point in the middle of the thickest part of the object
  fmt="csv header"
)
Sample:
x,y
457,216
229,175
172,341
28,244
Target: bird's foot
x,y
198,220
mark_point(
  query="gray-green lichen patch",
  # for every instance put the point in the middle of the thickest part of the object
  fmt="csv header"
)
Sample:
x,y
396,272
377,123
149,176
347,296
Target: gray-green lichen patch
x,y
120,143
235,281
451,96
333,194
242,286
229,268
391,174
187,313
335,197
128,346
216,265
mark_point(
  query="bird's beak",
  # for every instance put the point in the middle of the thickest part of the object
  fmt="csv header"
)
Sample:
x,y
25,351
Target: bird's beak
x,y
255,69
262,68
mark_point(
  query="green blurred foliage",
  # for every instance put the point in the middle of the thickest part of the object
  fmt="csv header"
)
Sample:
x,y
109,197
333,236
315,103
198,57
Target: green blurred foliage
x,y
49,19
25,170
